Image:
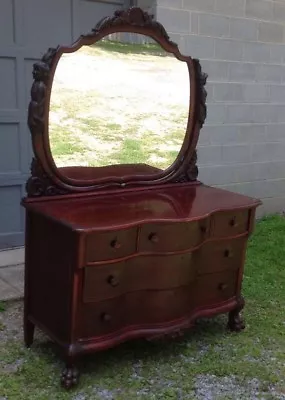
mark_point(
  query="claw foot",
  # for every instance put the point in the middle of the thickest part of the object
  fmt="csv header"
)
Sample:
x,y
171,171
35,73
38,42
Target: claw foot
x,y
69,377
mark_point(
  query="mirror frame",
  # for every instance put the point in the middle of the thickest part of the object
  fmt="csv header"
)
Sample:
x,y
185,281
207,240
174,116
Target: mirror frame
x,y
46,178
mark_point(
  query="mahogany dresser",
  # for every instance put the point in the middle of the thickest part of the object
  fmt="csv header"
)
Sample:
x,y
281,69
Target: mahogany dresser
x,y
118,256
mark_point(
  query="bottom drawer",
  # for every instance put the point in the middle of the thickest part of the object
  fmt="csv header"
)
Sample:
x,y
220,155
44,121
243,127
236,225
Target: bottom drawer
x,y
145,308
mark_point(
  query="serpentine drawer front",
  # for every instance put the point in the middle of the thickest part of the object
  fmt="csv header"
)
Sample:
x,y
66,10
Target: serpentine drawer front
x,y
103,246
112,280
230,223
173,237
154,306
222,255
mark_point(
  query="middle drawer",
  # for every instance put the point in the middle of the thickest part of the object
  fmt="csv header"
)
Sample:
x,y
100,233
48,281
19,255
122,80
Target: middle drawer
x,y
138,273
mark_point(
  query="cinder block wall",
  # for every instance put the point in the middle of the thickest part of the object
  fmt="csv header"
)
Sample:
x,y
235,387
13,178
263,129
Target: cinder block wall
x,y
241,46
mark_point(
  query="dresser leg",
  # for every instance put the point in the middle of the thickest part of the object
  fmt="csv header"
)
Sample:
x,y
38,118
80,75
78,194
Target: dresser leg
x,y
70,375
235,323
29,329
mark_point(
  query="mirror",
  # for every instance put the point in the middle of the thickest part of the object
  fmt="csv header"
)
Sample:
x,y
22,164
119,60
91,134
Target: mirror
x,y
123,101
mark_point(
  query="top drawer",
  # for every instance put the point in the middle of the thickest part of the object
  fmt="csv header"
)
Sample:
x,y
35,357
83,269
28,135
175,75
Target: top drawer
x,y
102,246
170,237
230,223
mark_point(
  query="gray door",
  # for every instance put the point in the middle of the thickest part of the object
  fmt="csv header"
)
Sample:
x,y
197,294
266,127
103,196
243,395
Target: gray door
x,y
27,29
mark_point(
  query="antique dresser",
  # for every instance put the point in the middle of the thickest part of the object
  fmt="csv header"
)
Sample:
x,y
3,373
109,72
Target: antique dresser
x,y
127,250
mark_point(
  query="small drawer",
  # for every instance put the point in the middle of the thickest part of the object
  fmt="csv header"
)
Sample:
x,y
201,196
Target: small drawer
x,y
215,288
164,237
139,273
230,223
110,245
222,255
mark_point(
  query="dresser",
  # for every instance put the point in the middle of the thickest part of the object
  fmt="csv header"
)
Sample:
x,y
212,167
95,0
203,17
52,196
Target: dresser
x,y
121,256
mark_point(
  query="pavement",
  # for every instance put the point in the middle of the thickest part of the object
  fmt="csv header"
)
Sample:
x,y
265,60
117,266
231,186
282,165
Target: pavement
x,y
11,274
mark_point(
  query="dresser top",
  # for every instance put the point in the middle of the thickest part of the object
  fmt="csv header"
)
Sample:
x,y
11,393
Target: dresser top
x,y
120,209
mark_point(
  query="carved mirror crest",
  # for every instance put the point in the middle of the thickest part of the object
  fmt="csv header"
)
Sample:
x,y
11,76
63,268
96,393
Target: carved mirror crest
x,y
119,107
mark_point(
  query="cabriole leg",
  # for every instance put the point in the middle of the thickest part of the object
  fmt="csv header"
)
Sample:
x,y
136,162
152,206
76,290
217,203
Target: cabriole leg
x,y
69,375
235,323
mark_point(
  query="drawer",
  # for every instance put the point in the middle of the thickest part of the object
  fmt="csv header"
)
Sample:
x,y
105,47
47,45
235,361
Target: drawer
x,y
168,237
143,309
215,288
230,223
110,245
139,273
222,255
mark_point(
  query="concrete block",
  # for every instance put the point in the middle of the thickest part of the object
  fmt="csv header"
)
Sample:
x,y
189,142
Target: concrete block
x,y
277,53
177,21
199,5
271,206
217,174
235,154
277,94
270,73
200,46
242,72
217,114
277,114
230,50
209,155
240,113
219,135
255,93
275,133
194,23
178,4
270,32
260,9
214,25
268,152
230,7
217,70
279,12
253,133
256,52
228,92
243,29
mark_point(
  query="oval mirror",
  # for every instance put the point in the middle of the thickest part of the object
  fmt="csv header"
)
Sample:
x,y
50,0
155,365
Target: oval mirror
x,y
118,107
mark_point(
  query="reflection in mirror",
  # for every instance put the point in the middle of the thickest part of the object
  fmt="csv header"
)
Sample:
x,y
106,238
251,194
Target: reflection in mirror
x,y
123,100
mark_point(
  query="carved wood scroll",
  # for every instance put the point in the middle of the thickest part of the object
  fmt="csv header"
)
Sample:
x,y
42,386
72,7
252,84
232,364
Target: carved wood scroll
x,y
46,179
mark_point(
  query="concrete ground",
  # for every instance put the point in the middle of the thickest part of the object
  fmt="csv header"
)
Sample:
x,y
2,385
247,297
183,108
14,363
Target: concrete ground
x,y
11,274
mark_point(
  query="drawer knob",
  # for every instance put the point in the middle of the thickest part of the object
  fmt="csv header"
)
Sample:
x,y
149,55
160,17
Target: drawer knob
x,y
203,229
233,222
228,253
106,317
223,287
116,244
153,237
113,281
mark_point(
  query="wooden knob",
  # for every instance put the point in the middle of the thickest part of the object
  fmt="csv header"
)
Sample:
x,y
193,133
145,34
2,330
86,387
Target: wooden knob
x,y
203,229
233,222
113,281
106,317
153,237
116,244
223,287
228,253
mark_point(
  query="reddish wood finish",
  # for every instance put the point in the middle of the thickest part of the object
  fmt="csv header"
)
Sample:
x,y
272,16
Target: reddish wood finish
x,y
145,252
95,277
